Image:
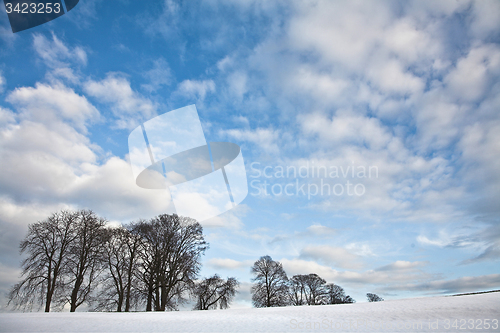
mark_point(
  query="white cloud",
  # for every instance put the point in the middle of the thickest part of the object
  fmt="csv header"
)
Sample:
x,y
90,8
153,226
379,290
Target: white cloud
x,y
158,76
230,264
6,116
315,231
55,53
2,83
410,43
332,255
474,74
47,158
238,84
59,57
390,76
321,230
485,18
462,284
128,106
196,89
347,129
401,265
265,138
435,242
396,272
51,104
338,30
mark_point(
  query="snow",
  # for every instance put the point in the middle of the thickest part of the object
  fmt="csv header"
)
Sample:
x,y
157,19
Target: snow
x,y
409,315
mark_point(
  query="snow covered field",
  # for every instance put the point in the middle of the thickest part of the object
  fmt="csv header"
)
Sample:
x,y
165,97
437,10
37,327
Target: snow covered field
x,y
470,313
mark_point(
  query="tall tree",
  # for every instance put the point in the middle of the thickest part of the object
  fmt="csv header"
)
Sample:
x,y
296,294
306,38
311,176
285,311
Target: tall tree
x,y
214,291
298,290
85,258
170,260
316,290
271,283
120,252
46,246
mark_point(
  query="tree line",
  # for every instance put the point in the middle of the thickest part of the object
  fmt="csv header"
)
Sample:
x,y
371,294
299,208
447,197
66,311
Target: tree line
x,y
272,287
74,258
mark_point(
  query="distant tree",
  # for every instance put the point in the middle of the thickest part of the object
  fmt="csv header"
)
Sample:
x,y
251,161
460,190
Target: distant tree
x,y
348,299
316,293
308,289
271,283
374,298
46,245
298,290
336,295
170,259
85,260
214,292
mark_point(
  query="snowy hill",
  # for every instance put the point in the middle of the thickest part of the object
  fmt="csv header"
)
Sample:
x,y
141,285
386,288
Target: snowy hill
x,y
468,313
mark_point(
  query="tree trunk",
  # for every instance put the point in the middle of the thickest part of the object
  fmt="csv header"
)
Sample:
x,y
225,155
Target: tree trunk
x,y
157,298
120,302
127,299
149,305
128,287
48,300
163,297
74,294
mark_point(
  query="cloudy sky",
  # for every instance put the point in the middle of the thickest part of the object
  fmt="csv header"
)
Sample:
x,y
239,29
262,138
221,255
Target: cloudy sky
x,y
409,91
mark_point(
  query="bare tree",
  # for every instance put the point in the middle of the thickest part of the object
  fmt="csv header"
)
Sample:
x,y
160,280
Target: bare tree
x,y
46,245
153,262
120,252
374,298
214,291
337,295
84,259
298,290
316,290
271,283
148,257
308,289
170,259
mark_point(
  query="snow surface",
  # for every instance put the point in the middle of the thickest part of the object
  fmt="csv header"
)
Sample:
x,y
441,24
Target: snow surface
x,y
409,315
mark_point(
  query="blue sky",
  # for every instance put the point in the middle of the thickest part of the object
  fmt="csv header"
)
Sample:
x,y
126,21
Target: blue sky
x,y
410,89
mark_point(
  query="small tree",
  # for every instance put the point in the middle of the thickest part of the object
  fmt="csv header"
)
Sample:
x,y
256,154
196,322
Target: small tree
x,y
374,298
308,289
271,283
214,291
336,295
348,299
